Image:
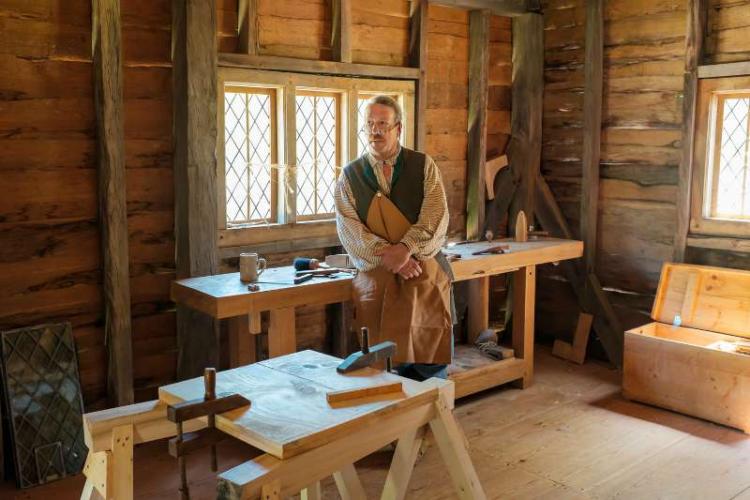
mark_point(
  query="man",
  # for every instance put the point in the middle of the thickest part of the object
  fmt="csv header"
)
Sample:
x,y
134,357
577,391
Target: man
x,y
392,218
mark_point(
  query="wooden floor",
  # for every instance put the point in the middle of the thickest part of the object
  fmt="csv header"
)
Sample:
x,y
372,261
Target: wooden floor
x,y
570,436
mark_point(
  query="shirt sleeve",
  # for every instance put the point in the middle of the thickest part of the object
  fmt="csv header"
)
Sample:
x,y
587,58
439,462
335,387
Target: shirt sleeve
x,y
425,238
360,243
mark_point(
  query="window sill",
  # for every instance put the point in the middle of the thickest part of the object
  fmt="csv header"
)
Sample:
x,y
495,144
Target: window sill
x,y
278,237
725,228
719,243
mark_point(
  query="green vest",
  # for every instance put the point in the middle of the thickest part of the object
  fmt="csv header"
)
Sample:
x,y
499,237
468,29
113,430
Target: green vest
x,y
407,189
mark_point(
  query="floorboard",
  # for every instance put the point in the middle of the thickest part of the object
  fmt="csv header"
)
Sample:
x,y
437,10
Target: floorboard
x,y
570,436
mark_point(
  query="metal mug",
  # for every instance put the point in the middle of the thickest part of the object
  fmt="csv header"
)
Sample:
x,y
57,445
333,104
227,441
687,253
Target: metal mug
x,y
251,266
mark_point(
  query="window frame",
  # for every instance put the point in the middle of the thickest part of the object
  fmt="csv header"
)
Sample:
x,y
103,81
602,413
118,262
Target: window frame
x,y
288,226
710,93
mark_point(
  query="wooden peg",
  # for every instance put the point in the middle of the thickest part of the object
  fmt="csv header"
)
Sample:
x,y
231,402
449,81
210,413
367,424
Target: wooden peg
x,y
522,227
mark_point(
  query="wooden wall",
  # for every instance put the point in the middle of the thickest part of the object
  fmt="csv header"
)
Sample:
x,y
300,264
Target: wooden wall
x,y
644,61
50,263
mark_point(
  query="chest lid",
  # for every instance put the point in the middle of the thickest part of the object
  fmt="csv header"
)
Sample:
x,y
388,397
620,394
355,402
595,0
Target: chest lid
x,y
707,298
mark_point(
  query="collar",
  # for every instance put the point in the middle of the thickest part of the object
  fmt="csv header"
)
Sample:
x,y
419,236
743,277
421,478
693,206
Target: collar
x,y
379,163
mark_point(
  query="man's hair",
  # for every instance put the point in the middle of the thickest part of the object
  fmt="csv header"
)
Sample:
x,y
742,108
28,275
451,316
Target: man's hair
x,y
389,101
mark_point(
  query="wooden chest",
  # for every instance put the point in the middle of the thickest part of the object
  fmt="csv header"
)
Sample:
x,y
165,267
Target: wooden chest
x,y
695,357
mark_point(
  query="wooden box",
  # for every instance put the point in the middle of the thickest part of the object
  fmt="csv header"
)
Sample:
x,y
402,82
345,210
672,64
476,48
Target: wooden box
x,y
690,359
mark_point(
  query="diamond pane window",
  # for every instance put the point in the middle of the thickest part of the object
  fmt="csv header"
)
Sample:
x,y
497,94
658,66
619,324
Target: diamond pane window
x,y
317,152
730,159
361,119
249,154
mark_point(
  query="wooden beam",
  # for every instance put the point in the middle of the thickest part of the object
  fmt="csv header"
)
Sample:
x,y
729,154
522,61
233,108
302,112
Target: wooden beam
x,y
107,60
741,68
341,29
697,15
525,148
418,59
479,62
719,243
592,129
591,298
275,63
506,8
247,26
195,134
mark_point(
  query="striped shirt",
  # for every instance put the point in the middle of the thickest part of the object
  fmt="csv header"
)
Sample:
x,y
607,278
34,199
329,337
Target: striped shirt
x,y
424,239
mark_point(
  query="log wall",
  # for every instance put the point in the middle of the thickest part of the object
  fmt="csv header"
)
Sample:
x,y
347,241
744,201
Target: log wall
x,y
50,258
644,62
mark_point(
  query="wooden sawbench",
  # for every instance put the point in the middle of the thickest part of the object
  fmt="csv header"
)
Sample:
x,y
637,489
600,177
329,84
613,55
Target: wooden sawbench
x,y
303,437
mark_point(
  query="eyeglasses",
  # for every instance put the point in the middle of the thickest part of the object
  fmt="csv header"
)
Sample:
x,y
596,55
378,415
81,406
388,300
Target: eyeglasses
x,y
377,128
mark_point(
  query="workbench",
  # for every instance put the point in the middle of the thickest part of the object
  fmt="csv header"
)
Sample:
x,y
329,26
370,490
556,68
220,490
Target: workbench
x,y
304,438
225,296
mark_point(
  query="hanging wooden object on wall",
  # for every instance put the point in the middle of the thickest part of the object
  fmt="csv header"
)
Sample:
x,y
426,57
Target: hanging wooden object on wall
x,y
43,399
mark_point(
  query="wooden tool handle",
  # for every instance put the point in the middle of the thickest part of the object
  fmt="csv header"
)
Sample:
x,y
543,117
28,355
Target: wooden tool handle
x,y
209,381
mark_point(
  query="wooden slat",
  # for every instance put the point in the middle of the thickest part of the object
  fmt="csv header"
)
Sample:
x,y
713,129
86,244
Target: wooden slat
x,y
107,57
479,59
195,122
697,12
723,70
592,127
341,30
247,18
509,8
276,63
524,151
418,59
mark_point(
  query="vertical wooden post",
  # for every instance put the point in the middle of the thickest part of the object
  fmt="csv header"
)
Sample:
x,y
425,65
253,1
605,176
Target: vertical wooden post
x,y
107,58
288,202
697,15
341,27
525,149
247,26
418,59
479,62
524,293
592,128
194,54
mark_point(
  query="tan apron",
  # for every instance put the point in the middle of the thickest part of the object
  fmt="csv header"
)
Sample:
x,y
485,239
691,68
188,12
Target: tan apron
x,y
414,313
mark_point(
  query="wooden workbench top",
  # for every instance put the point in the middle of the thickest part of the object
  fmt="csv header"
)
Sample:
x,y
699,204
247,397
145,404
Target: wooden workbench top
x,y
289,412
224,295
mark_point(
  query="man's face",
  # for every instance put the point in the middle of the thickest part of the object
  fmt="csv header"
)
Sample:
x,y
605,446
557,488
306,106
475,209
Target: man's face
x,y
383,133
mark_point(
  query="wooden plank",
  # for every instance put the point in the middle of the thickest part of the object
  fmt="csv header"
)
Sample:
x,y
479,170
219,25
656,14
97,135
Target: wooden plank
x,y
388,388
341,30
282,338
195,133
479,58
697,13
729,244
575,351
723,70
508,8
276,63
402,465
478,308
418,59
592,128
247,19
107,59
121,463
524,150
524,293
241,341
453,447
287,207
